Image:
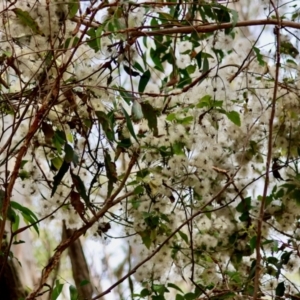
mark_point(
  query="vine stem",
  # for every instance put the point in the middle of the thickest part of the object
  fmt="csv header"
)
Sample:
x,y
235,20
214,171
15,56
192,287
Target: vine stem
x,y
269,157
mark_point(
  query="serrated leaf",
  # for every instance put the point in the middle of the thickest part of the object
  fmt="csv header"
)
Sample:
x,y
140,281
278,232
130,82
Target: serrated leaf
x,y
59,176
27,20
150,115
129,123
234,117
144,81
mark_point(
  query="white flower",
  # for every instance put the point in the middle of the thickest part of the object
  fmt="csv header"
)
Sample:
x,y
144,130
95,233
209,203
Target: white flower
x,y
183,61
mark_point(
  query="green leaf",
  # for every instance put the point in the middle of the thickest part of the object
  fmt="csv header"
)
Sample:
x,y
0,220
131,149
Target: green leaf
x,y
130,72
198,58
27,214
19,242
205,65
280,289
174,286
190,296
138,67
24,174
184,236
57,290
138,190
16,223
259,57
253,243
154,54
178,148
105,122
171,117
29,220
128,97
146,238
80,187
205,101
150,115
59,176
129,123
84,282
234,17
59,140
136,111
93,42
69,153
160,288
142,173
73,292
144,81
144,293
27,20
285,257
234,117
56,162
73,8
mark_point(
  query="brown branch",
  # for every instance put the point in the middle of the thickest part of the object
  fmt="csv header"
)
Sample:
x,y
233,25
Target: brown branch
x,y
210,28
162,244
53,94
111,201
278,26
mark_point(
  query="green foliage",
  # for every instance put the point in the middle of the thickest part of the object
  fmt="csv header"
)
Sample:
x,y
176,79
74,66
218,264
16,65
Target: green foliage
x,y
28,216
25,18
